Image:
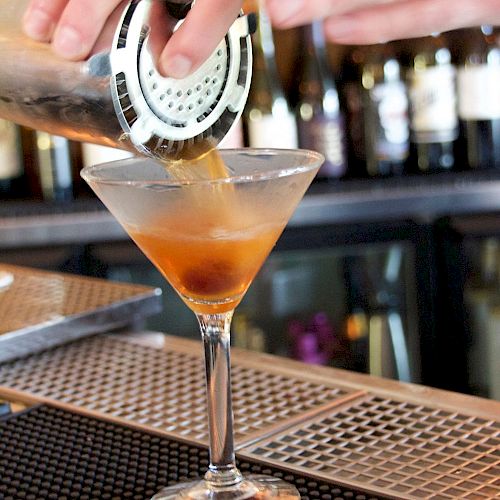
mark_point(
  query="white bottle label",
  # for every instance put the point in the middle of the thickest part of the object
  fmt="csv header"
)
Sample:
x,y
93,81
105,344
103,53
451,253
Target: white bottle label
x,y
269,131
433,104
479,92
62,162
10,157
391,103
93,154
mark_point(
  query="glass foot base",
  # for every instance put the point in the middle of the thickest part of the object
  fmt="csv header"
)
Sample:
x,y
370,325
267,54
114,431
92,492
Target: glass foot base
x,y
252,487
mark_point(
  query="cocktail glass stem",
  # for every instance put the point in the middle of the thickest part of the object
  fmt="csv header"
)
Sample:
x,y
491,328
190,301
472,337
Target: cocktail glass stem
x,y
215,331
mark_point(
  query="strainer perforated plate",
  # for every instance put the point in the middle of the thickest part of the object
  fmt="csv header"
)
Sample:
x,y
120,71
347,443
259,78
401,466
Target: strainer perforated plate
x,y
165,390
164,116
40,309
394,448
184,102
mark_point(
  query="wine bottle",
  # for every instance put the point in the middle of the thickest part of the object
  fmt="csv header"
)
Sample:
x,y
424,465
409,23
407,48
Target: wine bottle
x,y
385,110
269,120
433,113
54,166
319,120
11,160
478,83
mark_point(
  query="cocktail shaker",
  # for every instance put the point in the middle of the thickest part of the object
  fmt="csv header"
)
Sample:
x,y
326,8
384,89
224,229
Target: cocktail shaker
x,y
117,97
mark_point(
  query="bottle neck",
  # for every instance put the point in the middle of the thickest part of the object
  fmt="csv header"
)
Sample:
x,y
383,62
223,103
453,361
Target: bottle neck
x,y
317,81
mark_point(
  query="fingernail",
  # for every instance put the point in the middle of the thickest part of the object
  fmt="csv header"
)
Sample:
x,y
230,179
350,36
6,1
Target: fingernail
x,y
38,25
68,43
341,28
286,10
177,66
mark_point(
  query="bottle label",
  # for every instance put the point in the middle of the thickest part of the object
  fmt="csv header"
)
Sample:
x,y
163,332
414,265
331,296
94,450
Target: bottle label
x,y
269,131
61,162
325,135
433,104
391,128
10,155
479,92
93,154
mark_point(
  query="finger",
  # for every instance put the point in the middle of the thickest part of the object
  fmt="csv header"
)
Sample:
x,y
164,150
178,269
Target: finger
x,y
161,25
409,19
198,36
105,39
290,13
41,17
79,27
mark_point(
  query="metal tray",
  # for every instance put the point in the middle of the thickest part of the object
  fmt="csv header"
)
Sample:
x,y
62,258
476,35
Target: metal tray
x,y
40,309
363,434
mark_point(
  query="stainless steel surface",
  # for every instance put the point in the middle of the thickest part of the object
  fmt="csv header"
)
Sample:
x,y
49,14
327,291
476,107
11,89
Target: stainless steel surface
x,y
117,97
39,310
163,388
394,448
390,439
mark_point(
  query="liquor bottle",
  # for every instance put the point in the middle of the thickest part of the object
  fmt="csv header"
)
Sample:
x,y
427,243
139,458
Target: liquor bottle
x,y
54,166
433,113
319,120
351,102
93,154
269,121
478,83
11,160
385,112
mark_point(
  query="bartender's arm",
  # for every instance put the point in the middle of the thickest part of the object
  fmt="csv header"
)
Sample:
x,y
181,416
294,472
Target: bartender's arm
x,y
73,26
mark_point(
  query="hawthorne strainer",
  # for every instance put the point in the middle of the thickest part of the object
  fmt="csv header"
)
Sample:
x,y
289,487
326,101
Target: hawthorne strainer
x,y
117,97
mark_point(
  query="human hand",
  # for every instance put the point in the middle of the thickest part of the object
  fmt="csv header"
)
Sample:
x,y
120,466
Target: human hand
x,y
78,28
376,21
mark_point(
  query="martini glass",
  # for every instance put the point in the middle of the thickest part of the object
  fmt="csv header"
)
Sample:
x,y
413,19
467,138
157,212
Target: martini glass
x,y
209,235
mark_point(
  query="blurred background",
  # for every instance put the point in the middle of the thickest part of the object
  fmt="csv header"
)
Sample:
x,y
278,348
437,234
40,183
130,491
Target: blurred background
x,y
391,265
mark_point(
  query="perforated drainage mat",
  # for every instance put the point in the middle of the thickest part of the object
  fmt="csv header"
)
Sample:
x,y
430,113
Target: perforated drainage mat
x,y
165,389
377,445
396,448
52,454
41,309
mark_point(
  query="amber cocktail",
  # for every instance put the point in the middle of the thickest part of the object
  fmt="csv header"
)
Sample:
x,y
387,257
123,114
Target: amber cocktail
x,y
209,232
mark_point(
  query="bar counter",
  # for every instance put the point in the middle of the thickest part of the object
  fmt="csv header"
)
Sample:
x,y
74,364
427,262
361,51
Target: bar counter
x,y
362,437
120,414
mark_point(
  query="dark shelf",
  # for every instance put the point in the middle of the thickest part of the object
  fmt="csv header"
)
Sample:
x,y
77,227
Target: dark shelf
x,y
410,197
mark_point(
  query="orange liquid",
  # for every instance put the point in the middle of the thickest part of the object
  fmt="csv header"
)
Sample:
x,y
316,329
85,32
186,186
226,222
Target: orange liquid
x,y
210,255
211,275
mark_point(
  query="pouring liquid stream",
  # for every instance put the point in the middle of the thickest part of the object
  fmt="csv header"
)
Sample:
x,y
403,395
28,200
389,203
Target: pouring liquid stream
x,y
210,259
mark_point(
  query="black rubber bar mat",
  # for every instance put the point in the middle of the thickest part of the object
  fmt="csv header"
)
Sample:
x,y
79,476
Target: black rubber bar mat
x,y
49,453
